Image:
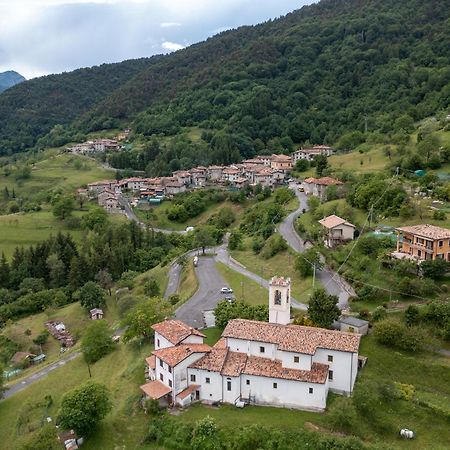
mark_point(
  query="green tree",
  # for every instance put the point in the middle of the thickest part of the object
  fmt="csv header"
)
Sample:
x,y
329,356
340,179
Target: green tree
x,y
84,407
434,268
411,315
305,262
5,276
95,218
235,241
63,207
139,322
204,237
41,338
205,435
301,165
323,309
91,295
321,165
151,288
2,387
97,341
44,439
104,279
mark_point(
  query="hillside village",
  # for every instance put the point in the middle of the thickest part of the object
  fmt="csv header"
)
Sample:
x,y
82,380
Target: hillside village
x,y
241,244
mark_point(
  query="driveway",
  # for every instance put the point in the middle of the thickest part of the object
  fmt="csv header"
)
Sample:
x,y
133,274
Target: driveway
x,y
208,295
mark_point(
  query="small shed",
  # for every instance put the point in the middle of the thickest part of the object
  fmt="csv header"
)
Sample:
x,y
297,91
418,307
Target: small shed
x,y
96,313
38,359
353,325
20,357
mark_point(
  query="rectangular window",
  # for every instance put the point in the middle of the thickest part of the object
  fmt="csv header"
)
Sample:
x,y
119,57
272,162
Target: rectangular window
x,y
161,363
170,383
275,385
247,382
158,344
296,359
311,390
170,369
192,377
228,385
262,349
161,377
441,243
330,358
208,380
330,375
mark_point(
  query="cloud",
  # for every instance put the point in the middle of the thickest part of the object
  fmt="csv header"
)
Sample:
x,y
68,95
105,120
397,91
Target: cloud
x,y
50,36
170,24
171,46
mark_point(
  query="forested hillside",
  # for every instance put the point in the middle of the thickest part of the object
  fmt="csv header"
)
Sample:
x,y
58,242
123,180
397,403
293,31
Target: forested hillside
x,y
314,75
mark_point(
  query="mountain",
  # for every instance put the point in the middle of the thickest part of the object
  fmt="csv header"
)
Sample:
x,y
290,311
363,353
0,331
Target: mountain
x,y
9,79
316,74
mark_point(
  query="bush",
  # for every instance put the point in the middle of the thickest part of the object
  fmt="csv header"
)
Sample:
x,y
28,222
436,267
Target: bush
x,y
435,268
411,315
275,244
395,334
342,414
257,244
380,313
439,215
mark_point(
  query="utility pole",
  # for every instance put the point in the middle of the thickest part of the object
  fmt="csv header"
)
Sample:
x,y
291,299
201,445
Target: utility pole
x,y
314,276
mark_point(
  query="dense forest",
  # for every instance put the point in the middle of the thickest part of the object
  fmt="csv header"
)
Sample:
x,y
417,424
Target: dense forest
x,y
315,75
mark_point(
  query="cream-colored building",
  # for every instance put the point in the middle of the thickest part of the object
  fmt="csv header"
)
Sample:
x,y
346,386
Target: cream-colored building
x,y
337,230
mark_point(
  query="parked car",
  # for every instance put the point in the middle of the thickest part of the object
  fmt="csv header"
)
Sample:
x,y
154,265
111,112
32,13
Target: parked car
x,y
226,290
188,229
195,261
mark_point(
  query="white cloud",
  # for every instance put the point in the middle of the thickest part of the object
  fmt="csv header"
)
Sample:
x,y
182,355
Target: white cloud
x,y
170,24
171,46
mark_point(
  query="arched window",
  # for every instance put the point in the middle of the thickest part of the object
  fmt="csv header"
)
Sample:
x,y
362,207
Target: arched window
x,y
277,300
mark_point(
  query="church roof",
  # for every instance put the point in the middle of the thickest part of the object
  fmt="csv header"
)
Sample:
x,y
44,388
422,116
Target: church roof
x,y
174,355
175,331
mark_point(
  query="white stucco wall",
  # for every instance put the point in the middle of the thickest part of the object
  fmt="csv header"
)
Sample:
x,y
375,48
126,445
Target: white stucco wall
x,y
288,360
252,348
192,339
209,392
181,372
343,367
291,394
161,342
234,394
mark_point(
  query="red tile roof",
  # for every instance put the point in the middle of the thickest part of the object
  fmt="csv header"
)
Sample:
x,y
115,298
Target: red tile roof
x,y
280,281
325,181
292,338
155,389
221,343
214,360
427,231
175,331
334,221
174,355
234,364
188,391
151,362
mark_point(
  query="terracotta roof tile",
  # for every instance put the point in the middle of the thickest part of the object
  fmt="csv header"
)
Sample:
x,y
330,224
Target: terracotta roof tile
x,y
175,331
174,355
280,281
188,391
427,231
334,221
264,367
221,343
292,338
151,362
234,364
214,360
155,389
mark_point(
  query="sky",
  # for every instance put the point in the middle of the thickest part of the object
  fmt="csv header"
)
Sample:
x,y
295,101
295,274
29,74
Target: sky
x,y
38,37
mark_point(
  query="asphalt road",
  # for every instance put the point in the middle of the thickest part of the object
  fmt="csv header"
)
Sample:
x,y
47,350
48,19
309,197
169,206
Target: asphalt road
x,y
207,296
39,375
330,280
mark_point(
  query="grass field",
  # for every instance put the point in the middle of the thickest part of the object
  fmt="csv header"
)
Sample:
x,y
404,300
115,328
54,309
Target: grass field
x,y
161,220
243,287
158,273
188,282
372,161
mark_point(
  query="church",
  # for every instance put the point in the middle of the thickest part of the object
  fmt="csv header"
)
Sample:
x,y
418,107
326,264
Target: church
x,y
260,363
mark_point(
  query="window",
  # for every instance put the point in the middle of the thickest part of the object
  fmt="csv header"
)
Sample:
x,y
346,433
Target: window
x,y
192,377
296,359
441,243
277,299
262,349
275,385
228,385
247,382
330,375
170,369
161,363
330,358
158,344
208,380
311,390
170,383
161,377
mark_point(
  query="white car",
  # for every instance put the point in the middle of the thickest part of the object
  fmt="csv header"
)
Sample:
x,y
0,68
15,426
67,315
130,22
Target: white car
x,y
189,229
226,290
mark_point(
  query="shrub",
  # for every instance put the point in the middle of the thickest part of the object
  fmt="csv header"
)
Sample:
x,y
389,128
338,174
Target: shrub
x,y
439,215
380,313
342,414
411,315
275,244
395,334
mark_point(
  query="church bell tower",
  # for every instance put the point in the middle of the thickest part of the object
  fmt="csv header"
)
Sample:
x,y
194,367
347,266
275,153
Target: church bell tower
x,y
280,300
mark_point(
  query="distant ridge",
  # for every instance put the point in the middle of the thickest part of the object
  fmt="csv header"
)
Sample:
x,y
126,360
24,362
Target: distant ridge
x,y
9,79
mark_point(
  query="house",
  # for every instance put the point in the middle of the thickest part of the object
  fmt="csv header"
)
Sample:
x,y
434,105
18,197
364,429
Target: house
x,y
96,313
22,357
99,186
263,363
352,324
337,230
214,173
240,182
172,186
183,176
265,160
318,186
423,242
101,145
231,174
310,153
263,177
198,176
281,163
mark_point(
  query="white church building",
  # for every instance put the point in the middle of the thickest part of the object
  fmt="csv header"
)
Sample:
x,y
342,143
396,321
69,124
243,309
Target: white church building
x,y
260,363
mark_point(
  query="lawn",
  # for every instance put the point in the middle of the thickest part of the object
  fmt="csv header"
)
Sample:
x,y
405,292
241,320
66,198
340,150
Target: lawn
x,y
243,288
158,273
372,161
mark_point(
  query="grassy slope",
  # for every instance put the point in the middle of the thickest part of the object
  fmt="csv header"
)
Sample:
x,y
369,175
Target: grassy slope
x,y
188,282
